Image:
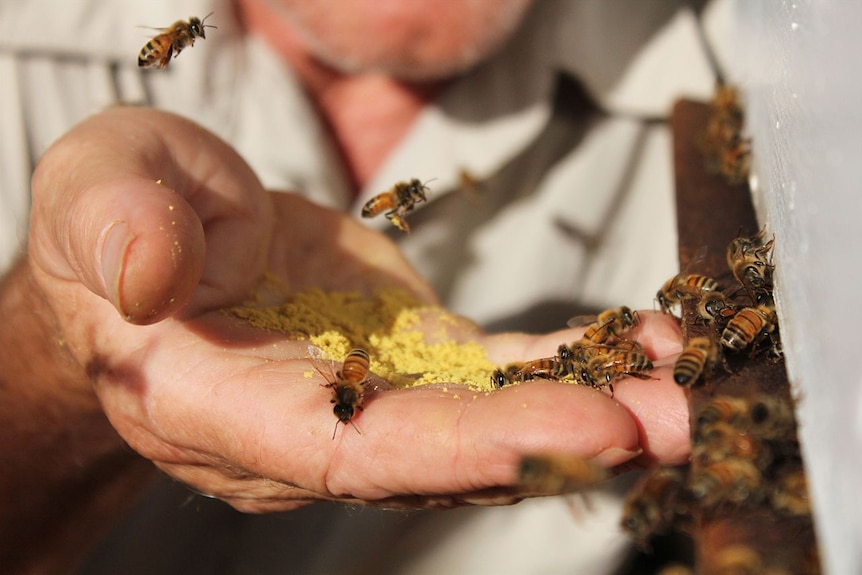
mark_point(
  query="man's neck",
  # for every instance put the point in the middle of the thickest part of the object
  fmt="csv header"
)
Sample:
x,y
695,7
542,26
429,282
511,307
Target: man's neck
x,y
367,114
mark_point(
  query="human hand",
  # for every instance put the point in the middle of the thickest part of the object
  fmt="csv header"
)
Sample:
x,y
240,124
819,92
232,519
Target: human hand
x,y
144,213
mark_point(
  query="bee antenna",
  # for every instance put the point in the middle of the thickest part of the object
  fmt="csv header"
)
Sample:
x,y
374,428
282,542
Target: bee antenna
x,y
204,19
356,427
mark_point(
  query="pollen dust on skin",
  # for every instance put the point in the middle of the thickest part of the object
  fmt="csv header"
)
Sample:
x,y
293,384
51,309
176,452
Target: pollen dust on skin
x,y
386,324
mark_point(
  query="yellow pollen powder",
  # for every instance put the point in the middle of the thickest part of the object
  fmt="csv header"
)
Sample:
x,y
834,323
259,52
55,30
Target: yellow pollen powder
x,y
388,325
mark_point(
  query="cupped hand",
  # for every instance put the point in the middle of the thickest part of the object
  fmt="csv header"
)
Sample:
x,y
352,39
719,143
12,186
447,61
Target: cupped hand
x,y
144,226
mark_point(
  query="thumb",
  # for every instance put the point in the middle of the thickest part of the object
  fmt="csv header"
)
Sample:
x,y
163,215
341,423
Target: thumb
x,y
129,240
150,212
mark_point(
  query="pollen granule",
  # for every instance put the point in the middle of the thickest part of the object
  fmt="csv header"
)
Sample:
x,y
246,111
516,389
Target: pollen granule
x,y
391,325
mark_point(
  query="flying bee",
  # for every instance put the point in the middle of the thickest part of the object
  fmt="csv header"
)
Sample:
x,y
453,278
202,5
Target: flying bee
x,y
519,372
732,480
397,202
609,324
348,389
171,41
714,308
698,353
747,327
556,473
651,505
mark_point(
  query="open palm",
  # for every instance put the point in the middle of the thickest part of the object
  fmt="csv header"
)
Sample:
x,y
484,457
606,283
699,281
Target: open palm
x,y
144,226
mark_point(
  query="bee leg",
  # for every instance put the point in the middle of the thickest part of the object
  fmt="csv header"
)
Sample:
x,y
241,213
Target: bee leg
x,y
163,61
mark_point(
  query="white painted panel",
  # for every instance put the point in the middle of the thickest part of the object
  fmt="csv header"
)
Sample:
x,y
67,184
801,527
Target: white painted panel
x,y
799,65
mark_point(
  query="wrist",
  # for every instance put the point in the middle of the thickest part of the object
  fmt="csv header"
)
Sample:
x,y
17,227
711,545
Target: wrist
x,y
61,458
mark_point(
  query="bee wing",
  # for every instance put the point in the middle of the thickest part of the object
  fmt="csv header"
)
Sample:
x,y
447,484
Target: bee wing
x,y
153,28
582,320
696,258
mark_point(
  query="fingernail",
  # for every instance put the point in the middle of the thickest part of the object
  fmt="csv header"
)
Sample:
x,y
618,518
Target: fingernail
x,y
114,250
613,456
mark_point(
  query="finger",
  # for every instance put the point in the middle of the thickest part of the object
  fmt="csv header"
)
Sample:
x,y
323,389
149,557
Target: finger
x,y
433,441
141,206
660,409
660,335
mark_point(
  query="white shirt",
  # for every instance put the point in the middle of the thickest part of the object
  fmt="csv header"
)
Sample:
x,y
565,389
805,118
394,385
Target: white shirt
x,y
574,211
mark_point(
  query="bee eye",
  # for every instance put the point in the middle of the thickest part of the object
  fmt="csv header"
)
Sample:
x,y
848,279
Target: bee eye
x,y
759,413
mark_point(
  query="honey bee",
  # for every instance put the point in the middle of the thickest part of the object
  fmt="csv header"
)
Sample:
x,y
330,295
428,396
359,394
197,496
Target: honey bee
x,y
557,473
739,559
714,308
735,159
348,389
750,261
742,246
789,495
398,200
732,480
171,41
698,353
651,505
747,326
602,369
582,351
683,286
518,372
720,441
608,325
728,152
765,416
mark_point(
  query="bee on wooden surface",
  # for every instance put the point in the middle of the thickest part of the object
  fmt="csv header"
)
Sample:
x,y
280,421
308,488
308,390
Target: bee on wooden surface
x,y
397,202
602,369
519,372
765,416
683,286
171,41
727,151
751,264
747,327
743,246
732,480
651,505
609,324
714,308
739,559
720,441
754,271
698,353
348,389
725,103
789,494
557,473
